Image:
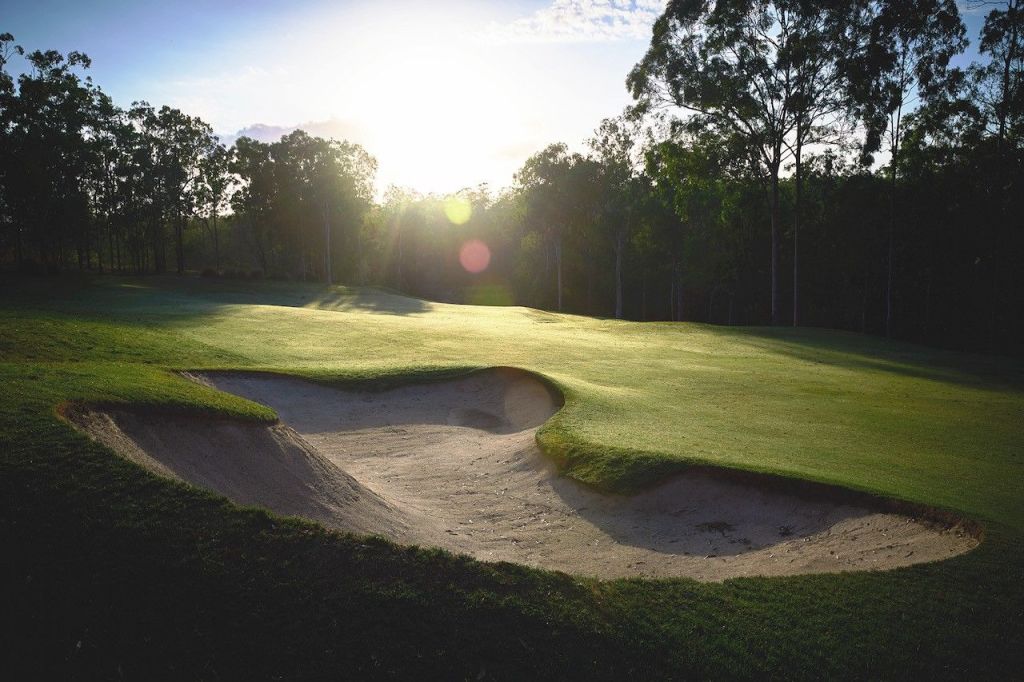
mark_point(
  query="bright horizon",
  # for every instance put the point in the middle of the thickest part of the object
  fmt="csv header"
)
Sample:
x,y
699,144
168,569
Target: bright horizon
x,y
445,96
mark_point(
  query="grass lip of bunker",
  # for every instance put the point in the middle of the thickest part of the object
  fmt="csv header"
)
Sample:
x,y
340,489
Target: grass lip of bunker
x,y
454,464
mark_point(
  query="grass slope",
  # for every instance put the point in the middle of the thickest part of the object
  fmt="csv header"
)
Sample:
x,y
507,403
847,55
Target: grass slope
x,y
111,569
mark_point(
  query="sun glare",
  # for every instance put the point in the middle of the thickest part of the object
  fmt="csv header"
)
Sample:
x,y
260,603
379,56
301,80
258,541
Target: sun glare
x,y
457,210
434,99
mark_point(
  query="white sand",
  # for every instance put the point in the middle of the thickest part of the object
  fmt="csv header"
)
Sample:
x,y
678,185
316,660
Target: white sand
x,y
455,465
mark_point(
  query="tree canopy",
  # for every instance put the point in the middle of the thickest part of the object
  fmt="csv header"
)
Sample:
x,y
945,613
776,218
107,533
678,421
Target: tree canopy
x,y
833,140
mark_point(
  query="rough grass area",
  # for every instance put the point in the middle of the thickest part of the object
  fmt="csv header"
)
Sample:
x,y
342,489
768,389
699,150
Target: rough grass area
x,y
108,571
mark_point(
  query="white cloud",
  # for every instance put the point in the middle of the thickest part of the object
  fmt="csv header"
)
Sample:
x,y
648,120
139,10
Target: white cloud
x,y
331,128
581,21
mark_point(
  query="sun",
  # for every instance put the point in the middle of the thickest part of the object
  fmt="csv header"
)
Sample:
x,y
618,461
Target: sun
x,y
434,105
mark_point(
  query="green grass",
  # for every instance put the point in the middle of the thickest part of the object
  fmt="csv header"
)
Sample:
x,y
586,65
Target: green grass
x,y
170,581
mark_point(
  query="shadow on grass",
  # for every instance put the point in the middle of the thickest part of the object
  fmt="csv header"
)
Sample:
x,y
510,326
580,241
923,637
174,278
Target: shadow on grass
x,y
368,299
861,352
291,294
142,295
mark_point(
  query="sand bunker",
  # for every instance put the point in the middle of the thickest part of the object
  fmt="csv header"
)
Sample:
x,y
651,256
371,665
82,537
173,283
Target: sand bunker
x,y
455,465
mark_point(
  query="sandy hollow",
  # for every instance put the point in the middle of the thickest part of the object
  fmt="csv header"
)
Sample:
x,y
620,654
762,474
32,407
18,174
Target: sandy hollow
x,y
456,465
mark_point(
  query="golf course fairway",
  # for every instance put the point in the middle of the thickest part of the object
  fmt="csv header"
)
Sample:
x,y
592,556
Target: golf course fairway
x,y
110,568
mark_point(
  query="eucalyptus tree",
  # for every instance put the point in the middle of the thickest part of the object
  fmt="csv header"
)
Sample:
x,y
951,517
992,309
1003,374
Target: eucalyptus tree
x,y
692,175
134,186
393,225
345,180
996,90
910,45
294,193
586,203
665,235
212,190
180,143
298,211
254,201
543,179
8,49
103,141
329,183
139,191
624,188
46,155
162,176
999,84
828,34
727,64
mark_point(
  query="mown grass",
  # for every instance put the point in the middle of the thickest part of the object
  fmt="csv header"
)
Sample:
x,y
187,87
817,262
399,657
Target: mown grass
x,y
110,567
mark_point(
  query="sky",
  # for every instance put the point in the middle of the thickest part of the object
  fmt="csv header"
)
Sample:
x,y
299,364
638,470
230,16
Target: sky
x,y
445,94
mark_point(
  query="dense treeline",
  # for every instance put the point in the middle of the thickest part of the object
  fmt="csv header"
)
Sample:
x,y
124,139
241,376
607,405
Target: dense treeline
x,y
786,162
86,184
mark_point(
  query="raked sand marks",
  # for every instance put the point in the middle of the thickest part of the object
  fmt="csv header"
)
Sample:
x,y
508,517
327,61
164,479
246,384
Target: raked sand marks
x,y
455,465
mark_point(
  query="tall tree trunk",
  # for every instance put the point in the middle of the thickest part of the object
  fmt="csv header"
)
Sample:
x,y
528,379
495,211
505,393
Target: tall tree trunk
x,y
620,239
327,250
160,255
679,296
398,259
99,251
643,296
88,245
891,261
994,297
257,242
1012,8
156,249
590,287
864,305
361,267
558,267
216,243
179,243
927,305
18,249
775,219
672,295
797,208
895,146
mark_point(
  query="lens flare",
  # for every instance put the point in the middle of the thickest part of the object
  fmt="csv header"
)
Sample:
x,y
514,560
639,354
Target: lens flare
x,y
458,210
475,256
